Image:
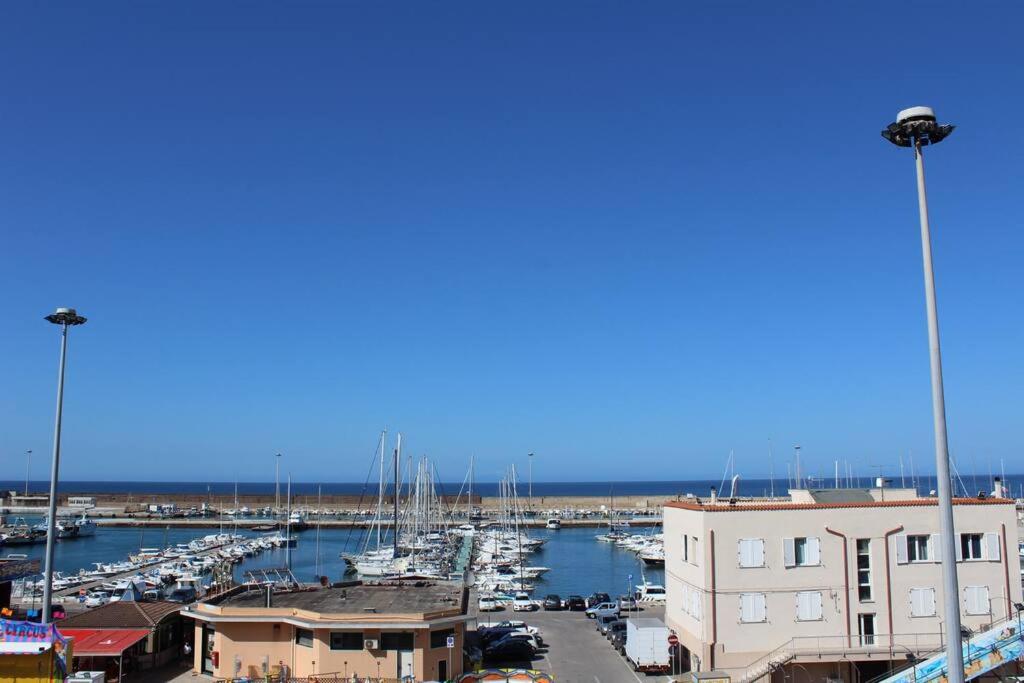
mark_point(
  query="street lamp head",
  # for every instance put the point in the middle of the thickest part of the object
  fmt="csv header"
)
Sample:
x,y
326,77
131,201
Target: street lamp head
x,y
66,316
916,125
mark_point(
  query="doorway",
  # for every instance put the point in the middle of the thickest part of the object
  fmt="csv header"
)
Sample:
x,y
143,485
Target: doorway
x,y
405,665
207,645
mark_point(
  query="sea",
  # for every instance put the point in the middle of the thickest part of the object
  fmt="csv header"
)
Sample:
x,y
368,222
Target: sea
x,y
968,485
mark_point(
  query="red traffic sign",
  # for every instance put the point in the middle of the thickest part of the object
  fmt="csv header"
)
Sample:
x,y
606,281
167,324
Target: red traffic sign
x,y
673,640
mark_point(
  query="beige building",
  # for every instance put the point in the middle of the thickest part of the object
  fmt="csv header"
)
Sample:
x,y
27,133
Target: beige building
x,y
837,583
381,631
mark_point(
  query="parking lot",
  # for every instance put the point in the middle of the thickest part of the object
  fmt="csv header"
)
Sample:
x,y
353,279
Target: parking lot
x,y
575,652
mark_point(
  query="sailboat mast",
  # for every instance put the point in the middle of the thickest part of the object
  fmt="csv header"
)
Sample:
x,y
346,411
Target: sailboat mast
x,y
394,528
288,528
380,488
469,502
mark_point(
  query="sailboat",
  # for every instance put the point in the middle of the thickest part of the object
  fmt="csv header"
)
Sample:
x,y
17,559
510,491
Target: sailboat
x,y
616,532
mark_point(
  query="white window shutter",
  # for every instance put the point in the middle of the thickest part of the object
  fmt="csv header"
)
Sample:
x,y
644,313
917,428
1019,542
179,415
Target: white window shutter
x,y
741,551
992,547
760,607
934,543
758,552
789,552
813,551
984,605
694,555
746,607
900,540
929,602
816,606
959,547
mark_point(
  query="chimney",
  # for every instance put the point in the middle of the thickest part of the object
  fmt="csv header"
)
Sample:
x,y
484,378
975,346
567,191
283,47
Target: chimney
x,y
270,595
879,482
714,495
997,488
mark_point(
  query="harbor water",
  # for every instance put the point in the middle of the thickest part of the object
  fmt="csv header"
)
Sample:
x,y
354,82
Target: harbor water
x,y
579,563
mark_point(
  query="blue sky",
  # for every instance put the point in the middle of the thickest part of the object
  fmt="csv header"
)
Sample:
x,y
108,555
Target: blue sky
x,y
628,237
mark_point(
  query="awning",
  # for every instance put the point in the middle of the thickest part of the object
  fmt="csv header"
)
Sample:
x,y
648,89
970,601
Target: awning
x,y
103,642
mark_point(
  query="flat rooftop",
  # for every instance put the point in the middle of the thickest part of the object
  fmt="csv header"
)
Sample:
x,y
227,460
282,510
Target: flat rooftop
x,y
811,499
407,598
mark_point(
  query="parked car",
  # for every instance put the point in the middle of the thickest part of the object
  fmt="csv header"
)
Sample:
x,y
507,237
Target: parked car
x,y
552,602
627,602
618,640
576,603
97,599
536,641
615,627
604,622
510,649
487,604
494,634
602,609
597,599
523,603
517,624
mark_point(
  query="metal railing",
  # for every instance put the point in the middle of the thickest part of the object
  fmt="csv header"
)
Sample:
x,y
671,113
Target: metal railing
x,y
833,645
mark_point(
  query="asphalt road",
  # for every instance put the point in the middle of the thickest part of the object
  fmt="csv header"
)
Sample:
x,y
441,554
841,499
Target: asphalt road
x,y
575,651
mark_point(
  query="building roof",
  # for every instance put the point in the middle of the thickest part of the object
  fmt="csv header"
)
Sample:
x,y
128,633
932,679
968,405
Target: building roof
x,y
103,642
763,505
357,599
122,615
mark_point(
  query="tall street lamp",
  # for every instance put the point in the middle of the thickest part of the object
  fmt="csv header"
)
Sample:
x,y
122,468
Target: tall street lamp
x,y
28,469
530,462
917,127
65,317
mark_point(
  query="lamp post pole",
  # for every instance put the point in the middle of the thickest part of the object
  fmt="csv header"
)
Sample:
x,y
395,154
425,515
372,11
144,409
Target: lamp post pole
x,y
530,463
917,127
65,317
28,468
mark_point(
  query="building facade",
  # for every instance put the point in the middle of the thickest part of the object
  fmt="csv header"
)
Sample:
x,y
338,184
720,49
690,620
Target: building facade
x,y
831,581
387,631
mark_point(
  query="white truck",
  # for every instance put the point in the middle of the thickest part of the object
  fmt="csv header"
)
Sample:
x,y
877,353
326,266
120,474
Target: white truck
x,y
647,647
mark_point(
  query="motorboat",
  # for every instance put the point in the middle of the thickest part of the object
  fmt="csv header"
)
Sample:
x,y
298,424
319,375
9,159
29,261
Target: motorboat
x,y
554,523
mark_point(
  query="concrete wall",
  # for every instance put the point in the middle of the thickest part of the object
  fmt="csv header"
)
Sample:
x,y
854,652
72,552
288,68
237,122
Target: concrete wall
x,y
736,644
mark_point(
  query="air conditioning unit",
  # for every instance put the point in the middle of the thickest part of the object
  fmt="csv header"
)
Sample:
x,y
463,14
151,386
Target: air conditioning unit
x,y
371,644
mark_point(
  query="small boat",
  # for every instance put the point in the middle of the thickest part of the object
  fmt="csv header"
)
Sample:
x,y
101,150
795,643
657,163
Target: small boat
x,y
86,527
554,523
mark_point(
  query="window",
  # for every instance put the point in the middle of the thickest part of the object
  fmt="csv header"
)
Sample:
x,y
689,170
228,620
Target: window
x,y
753,608
867,628
691,601
801,552
440,638
396,641
970,546
693,551
922,602
978,547
976,600
686,548
304,637
918,548
346,640
808,606
864,591
751,552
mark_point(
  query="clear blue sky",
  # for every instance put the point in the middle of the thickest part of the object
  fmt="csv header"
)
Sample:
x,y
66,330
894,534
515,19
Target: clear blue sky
x,y
628,237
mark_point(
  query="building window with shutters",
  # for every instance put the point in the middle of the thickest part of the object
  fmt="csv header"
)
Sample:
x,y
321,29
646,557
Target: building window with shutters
x,y
918,548
866,622
808,606
922,602
970,546
751,552
801,552
976,600
864,588
753,608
